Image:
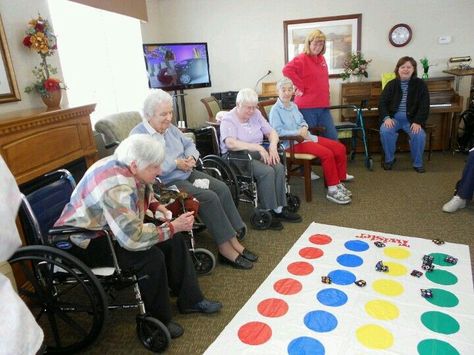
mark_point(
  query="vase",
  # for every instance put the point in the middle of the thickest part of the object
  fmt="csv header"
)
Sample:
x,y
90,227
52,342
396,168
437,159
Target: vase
x,y
53,100
355,78
425,74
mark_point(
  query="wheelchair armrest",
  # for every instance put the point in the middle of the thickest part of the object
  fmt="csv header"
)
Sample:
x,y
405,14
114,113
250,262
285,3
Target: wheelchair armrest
x,y
317,130
111,145
239,154
66,230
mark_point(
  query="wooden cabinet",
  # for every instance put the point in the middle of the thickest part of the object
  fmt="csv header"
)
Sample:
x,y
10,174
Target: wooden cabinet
x,y
34,142
445,103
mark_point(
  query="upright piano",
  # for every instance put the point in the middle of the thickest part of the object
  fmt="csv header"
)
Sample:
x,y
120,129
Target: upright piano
x,y
445,104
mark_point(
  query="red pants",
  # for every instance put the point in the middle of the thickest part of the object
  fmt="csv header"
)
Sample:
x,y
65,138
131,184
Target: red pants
x,y
332,155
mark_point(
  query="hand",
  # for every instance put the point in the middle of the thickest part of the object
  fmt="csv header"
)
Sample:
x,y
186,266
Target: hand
x,y
389,123
265,157
415,128
298,92
274,157
186,164
304,132
183,223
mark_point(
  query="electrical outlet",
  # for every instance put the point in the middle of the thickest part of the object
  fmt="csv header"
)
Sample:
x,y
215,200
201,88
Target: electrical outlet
x,y
444,39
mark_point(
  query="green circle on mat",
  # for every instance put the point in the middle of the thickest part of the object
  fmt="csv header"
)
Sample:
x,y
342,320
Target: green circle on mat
x,y
441,277
440,322
438,259
443,298
436,347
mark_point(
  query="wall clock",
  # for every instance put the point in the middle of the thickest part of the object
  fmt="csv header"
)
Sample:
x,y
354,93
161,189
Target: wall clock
x,y
399,35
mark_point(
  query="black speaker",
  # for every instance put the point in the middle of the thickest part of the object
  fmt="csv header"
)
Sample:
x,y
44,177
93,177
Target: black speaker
x,y
226,99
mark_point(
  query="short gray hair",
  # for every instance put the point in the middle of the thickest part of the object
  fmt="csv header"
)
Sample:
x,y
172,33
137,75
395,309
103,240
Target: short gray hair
x,y
247,95
283,82
155,98
143,149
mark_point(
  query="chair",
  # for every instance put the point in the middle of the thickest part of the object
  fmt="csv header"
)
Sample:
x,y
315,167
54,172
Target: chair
x,y
212,107
294,160
69,300
116,127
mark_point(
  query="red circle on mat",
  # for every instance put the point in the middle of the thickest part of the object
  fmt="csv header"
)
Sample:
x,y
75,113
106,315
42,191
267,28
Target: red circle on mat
x,y
320,239
287,286
311,253
272,307
254,333
300,268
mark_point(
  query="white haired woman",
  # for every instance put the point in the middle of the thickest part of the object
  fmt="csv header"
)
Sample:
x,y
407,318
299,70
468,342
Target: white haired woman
x,y
217,209
243,128
115,193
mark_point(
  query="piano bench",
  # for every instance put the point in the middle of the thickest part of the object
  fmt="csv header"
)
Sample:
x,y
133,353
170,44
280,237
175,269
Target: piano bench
x,y
429,130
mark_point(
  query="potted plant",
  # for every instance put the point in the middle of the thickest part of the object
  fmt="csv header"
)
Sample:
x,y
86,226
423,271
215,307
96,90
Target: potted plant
x,y
40,38
355,67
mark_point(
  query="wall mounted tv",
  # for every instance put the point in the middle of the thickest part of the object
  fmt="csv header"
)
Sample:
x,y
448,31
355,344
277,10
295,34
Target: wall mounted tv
x,y
177,66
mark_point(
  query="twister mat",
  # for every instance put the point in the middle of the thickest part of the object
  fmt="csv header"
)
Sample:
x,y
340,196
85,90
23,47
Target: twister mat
x,y
294,312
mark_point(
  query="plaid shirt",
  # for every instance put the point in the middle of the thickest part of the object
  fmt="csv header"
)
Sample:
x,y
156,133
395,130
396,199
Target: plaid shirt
x,y
109,196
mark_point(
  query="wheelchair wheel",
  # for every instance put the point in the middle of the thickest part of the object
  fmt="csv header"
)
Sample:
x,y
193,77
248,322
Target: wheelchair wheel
x,y
261,219
204,261
64,296
369,164
293,203
219,169
153,334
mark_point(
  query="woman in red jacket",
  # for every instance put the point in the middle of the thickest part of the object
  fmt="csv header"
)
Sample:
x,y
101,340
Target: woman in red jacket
x,y
309,73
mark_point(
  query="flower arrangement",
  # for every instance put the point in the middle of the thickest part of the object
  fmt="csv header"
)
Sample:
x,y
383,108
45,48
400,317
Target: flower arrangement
x,y
355,64
40,38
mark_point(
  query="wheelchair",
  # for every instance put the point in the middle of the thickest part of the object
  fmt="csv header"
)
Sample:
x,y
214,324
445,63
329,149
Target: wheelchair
x,y
69,300
235,169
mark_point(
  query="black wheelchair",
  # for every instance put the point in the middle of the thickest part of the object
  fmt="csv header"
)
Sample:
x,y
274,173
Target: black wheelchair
x,y
235,169
69,300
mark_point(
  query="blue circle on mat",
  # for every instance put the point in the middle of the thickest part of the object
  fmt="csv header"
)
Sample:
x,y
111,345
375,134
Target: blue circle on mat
x,y
332,297
350,260
342,277
305,345
320,321
356,245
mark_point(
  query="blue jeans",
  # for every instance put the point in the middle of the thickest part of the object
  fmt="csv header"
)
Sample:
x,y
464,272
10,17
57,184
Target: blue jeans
x,y
389,136
465,186
320,117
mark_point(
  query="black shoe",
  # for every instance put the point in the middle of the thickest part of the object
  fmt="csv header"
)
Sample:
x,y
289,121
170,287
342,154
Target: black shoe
x,y
275,225
389,165
286,216
175,329
205,306
242,233
419,169
247,254
239,263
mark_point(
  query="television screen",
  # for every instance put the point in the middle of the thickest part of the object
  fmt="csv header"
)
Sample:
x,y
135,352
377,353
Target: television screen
x,y
177,66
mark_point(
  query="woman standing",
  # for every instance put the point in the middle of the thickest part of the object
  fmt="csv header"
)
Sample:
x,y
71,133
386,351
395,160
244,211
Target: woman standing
x,y
404,104
309,73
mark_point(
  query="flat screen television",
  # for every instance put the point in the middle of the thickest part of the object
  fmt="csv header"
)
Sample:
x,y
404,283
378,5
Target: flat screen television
x,y
177,66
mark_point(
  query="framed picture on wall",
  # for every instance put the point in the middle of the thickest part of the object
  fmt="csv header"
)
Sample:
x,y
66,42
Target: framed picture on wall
x,y
8,86
343,35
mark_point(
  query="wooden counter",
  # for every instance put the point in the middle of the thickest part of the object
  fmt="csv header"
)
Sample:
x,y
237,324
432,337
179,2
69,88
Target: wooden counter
x,y
34,142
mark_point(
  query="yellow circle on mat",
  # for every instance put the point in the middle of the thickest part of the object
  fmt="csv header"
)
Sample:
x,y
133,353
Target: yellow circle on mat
x,y
374,337
397,252
395,269
388,287
381,309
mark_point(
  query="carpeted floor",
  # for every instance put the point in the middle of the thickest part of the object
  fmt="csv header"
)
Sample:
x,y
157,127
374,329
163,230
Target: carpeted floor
x,y
400,201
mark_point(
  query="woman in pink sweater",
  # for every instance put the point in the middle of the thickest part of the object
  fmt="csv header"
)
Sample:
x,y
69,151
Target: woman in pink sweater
x,y
309,73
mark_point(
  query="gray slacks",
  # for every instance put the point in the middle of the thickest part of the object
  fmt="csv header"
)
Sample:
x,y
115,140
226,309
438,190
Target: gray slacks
x,y
271,186
216,206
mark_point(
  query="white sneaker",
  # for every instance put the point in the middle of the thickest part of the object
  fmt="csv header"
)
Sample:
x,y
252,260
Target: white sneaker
x,y
344,190
454,204
338,197
314,176
349,177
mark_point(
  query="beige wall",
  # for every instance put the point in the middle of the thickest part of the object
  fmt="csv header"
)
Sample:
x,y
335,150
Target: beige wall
x,y
15,16
245,37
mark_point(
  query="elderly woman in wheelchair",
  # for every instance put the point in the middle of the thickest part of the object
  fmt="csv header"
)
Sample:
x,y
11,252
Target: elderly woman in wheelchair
x,y
217,209
115,193
244,128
